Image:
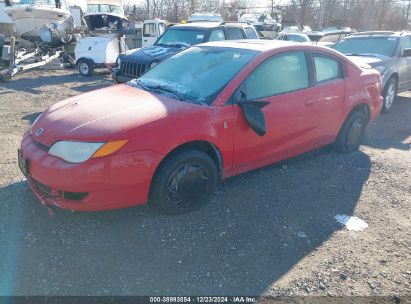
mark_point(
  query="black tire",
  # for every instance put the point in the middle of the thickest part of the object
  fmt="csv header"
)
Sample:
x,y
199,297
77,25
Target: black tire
x,y
114,76
389,93
351,133
85,67
185,182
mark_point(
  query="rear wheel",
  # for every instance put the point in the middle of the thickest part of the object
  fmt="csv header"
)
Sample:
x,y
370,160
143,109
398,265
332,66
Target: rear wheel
x,y
85,67
389,93
351,133
185,182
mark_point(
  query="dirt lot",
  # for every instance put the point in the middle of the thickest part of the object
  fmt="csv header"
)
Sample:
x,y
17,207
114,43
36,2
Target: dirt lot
x,y
271,231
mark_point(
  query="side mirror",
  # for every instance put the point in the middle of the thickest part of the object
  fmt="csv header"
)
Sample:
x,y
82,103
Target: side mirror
x,y
406,53
254,116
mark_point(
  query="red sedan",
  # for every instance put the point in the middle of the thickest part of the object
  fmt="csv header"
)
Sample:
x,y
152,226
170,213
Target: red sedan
x,y
209,112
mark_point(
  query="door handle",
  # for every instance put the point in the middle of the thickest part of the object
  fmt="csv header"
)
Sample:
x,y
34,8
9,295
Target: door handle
x,y
309,102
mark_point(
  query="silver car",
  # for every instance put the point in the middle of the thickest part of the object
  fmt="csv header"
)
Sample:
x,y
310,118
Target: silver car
x,y
387,52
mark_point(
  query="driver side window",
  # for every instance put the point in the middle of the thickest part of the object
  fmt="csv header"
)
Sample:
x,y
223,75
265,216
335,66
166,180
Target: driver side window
x,y
282,73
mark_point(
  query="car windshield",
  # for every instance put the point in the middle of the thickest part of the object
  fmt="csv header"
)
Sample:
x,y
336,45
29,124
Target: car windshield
x,y
367,46
195,75
298,38
335,37
183,37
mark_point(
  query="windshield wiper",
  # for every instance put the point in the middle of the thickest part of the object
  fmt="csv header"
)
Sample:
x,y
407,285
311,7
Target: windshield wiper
x,y
194,100
178,44
166,89
179,95
174,44
182,44
145,88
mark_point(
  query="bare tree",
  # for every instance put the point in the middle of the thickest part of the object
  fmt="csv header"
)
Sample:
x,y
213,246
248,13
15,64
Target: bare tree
x,y
359,14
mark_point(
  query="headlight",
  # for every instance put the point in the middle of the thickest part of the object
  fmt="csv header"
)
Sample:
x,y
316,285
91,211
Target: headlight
x,y
152,65
118,61
77,152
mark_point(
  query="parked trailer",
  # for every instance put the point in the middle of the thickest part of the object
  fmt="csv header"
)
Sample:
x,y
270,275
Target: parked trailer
x,y
98,51
100,48
15,59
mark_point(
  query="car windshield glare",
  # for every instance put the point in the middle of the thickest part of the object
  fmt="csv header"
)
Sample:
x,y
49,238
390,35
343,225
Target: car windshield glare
x,y
364,46
197,74
182,37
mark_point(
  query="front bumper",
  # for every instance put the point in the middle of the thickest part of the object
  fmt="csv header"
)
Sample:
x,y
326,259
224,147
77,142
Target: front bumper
x,y
118,77
115,181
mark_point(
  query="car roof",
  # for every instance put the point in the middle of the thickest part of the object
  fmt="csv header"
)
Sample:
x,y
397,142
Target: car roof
x,y
208,24
200,24
376,34
253,44
294,34
262,45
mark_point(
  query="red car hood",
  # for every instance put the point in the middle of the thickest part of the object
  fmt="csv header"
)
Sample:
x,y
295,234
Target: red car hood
x,y
104,114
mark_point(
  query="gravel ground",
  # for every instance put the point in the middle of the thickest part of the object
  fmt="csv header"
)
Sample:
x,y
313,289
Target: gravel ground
x,y
271,231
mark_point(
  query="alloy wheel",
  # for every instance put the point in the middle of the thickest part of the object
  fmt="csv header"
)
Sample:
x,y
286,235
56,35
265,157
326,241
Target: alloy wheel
x,y
84,69
390,96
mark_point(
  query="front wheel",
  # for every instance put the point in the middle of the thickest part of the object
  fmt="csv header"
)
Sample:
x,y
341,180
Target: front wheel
x,y
389,93
351,133
185,182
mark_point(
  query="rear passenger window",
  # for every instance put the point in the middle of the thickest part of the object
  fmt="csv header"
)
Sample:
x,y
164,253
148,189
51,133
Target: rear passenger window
x,y
326,67
279,74
217,35
234,33
407,42
250,33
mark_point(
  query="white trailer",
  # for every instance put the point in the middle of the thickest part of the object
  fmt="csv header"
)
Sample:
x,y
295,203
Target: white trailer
x,y
101,48
100,51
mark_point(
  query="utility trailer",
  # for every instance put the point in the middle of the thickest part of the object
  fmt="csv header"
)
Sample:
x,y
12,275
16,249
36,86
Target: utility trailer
x,y
15,59
100,48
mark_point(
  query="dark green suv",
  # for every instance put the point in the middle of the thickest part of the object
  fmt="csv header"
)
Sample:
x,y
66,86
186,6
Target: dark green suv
x,y
175,39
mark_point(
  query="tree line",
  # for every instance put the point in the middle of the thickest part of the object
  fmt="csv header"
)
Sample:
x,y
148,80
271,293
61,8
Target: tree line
x,y
359,14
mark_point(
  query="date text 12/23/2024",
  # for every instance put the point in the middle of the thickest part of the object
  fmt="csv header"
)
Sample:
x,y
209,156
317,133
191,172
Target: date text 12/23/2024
x,y
204,299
